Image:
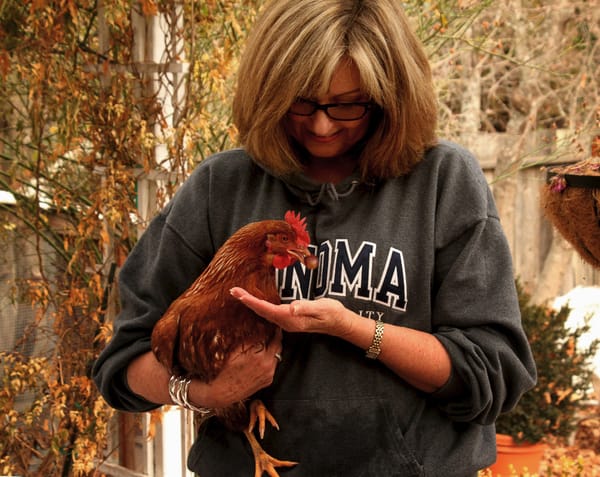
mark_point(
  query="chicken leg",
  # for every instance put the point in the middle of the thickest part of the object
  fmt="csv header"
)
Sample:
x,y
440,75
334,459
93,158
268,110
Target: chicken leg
x,y
263,462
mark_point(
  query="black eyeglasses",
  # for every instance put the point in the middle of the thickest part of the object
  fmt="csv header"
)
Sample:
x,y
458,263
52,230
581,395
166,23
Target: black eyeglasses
x,y
335,111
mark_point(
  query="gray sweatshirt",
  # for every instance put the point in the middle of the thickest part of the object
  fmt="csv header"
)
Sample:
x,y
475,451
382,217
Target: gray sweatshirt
x,y
425,251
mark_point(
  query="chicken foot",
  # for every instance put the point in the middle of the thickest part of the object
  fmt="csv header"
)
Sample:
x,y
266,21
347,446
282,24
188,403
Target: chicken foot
x,y
263,462
259,413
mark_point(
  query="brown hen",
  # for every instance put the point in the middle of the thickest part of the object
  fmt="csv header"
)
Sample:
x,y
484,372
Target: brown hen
x,y
205,325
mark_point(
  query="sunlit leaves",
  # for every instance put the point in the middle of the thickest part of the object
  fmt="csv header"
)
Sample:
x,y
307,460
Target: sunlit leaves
x,y
48,405
69,140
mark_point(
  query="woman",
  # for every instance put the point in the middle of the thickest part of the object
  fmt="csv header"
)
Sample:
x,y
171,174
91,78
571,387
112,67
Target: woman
x,y
402,348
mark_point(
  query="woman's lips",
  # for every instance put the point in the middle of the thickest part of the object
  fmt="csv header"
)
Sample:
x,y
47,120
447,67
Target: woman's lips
x,y
324,139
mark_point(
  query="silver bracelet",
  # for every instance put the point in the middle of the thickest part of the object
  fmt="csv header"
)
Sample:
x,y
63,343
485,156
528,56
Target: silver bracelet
x,y
179,388
375,348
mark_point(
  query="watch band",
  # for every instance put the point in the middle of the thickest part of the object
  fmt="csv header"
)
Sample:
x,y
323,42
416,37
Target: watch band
x,y
375,348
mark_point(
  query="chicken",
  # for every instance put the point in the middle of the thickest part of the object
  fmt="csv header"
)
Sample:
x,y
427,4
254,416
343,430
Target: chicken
x,y
205,325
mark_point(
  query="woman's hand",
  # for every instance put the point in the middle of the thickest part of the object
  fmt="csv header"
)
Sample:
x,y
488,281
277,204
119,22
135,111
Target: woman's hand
x,y
416,356
247,371
325,315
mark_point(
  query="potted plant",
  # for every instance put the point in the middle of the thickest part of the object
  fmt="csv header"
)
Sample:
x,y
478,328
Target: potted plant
x,y
564,383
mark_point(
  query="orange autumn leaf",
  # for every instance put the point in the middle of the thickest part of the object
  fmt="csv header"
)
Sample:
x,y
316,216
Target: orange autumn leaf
x,y
149,8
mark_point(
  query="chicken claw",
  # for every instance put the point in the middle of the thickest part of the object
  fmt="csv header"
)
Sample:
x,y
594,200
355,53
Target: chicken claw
x,y
263,462
259,412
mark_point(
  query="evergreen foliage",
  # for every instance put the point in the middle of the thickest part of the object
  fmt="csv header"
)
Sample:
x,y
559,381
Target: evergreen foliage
x,y
564,375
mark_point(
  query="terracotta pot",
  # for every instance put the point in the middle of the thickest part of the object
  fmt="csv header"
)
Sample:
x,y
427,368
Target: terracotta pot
x,y
516,459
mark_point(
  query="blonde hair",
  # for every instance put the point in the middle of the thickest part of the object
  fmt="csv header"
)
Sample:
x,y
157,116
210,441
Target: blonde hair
x,y
292,52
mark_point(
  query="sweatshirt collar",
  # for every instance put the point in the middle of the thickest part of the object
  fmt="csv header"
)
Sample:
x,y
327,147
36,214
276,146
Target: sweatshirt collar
x,y
313,193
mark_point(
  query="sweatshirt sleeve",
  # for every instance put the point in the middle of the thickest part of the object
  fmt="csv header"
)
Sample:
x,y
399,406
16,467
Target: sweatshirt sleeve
x,y
491,357
159,268
476,313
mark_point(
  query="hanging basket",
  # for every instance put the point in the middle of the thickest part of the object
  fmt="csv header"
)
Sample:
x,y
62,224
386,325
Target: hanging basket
x,y
571,201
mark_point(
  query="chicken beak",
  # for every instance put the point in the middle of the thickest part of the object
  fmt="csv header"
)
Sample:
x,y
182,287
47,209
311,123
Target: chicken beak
x,y
304,257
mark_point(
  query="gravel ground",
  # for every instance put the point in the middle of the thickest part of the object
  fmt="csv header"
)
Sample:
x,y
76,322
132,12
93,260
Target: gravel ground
x,y
582,457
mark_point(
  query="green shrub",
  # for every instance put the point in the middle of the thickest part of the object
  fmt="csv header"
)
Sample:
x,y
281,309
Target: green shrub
x,y
564,375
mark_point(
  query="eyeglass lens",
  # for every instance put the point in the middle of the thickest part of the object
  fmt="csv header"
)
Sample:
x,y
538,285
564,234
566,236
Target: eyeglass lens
x,y
337,111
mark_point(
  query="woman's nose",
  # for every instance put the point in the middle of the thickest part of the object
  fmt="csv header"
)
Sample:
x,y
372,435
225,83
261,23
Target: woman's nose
x,y
321,123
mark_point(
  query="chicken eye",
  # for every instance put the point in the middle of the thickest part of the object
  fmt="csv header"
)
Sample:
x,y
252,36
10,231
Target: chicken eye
x,y
284,238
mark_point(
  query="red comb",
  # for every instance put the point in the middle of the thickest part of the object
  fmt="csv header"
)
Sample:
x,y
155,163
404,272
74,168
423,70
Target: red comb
x,y
299,225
